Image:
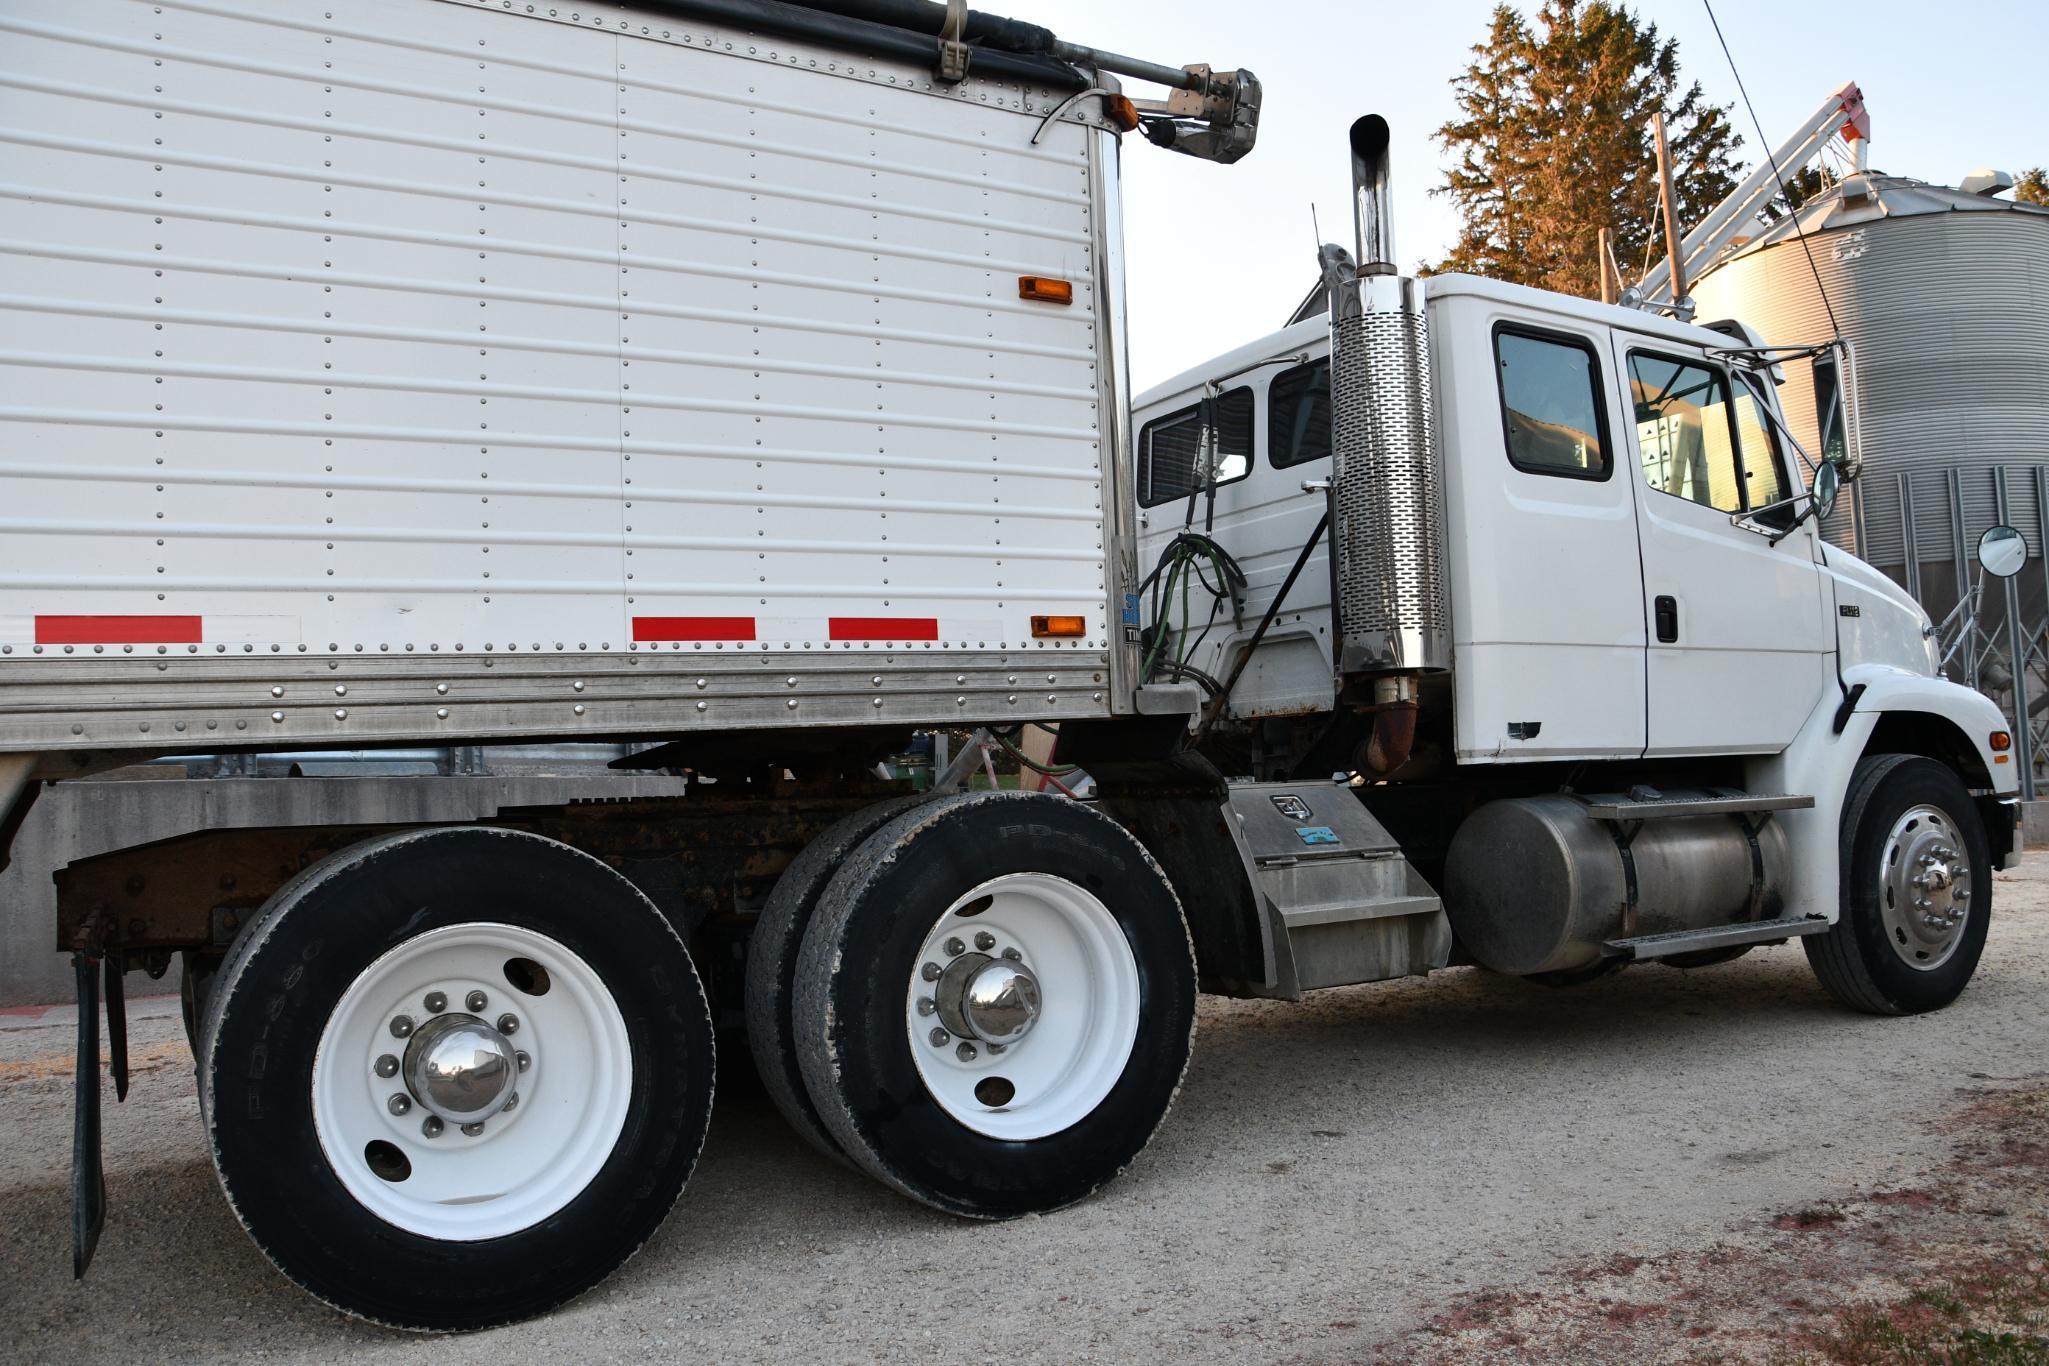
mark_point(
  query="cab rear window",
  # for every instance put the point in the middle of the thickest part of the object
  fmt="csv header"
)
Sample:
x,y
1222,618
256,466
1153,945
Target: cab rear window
x,y
1551,404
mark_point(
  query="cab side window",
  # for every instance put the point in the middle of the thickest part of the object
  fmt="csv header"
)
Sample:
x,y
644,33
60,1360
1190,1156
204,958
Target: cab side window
x,y
1683,433
1551,404
1700,443
1298,415
1169,448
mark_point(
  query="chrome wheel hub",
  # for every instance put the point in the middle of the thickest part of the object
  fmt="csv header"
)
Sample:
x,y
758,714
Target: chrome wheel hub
x,y
995,1000
1925,887
460,1068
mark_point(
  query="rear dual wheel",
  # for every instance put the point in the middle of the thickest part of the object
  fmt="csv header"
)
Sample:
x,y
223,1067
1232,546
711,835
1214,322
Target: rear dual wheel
x,y
453,1078
994,1002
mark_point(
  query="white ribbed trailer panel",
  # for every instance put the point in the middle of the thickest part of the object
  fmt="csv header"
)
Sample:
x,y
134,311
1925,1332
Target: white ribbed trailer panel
x,y
407,369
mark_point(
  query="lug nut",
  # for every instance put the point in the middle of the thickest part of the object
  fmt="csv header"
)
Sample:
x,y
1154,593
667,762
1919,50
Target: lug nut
x,y
431,1126
387,1066
402,1027
926,1006
472,1130
939,1038
966,1052
476,1001
954,948
436,1002
399,1103
508,1024
524,1059
511,1103
1013,955
996,1048
984,940
930,972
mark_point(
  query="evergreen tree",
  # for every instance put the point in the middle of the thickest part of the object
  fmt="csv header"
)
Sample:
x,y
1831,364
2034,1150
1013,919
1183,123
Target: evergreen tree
x,y
1801,186
2032,187
1553,142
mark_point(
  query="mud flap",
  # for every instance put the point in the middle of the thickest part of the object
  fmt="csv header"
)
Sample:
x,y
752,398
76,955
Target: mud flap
x,y
88,1185
88,1180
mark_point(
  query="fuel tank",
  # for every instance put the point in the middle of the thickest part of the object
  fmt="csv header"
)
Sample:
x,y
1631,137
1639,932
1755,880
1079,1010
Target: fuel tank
x,y
1535,884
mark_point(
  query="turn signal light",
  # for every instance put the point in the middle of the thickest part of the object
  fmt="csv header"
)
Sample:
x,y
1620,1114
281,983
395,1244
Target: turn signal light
x,y
1043,627
1121,112
1044,289
2001,741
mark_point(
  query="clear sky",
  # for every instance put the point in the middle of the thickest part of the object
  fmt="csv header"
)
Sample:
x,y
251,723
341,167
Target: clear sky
x,y
1218,255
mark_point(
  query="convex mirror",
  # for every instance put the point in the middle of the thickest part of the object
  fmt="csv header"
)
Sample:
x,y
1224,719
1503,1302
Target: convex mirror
x,y
2001,551
1828,482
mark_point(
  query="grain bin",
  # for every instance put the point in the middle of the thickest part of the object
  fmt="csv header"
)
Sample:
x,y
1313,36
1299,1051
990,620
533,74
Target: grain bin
x,y
1944,298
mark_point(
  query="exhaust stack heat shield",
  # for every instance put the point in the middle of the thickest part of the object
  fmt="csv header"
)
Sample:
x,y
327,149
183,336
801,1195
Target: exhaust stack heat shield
x,y
1394,610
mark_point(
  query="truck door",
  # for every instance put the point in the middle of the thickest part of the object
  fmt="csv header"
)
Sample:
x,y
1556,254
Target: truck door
x,y
1738,650
1547,594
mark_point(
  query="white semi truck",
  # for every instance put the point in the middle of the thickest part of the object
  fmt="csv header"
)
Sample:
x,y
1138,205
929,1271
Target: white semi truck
x,y
748,377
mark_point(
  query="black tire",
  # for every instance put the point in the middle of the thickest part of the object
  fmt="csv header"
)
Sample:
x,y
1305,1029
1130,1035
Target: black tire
x,y
772,964
861,952
1855,960
273,997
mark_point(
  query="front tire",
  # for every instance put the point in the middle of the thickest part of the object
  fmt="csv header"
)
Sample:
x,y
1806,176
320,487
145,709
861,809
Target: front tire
x,y
1916,890
453,1078
1047,948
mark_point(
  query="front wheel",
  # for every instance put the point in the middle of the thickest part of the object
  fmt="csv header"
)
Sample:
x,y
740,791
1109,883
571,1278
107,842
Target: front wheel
x,y
453,1078
1916,890
995,1002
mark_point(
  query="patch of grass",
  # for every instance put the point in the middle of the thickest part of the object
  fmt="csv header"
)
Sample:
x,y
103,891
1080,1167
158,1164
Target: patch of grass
x,y
1994,1316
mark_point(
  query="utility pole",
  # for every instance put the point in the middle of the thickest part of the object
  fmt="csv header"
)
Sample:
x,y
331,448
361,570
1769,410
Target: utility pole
x,y
1611,275
1678,267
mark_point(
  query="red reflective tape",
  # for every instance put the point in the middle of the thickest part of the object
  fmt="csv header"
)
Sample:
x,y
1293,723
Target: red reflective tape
x,y
693,628
884,628
118,630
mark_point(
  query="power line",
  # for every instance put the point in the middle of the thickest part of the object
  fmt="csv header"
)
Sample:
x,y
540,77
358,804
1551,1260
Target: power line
x,y
1778,175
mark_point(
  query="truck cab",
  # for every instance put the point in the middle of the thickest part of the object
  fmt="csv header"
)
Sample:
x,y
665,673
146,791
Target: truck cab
x,y
1629,577
1540,581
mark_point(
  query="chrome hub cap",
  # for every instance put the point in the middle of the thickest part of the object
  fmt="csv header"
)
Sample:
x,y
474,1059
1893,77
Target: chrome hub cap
x,y
460,1068
994,1000
1925,887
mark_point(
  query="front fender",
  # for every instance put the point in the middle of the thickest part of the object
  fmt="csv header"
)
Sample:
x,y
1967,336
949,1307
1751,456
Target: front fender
x,y
1821,760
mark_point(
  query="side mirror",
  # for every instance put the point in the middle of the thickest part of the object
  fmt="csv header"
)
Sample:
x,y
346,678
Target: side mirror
x,y
2002,552
1828,482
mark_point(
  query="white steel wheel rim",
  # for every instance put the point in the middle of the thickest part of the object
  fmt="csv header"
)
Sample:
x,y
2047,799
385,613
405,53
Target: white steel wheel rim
x,y
530,1160
1081,1041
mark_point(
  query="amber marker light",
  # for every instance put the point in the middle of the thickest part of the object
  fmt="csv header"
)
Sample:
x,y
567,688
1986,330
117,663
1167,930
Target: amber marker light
x,y
1121,112
1044,627
1044,289
2001,741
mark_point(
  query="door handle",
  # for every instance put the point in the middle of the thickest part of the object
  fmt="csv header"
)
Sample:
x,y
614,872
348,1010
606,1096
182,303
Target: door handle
x,y
1666,610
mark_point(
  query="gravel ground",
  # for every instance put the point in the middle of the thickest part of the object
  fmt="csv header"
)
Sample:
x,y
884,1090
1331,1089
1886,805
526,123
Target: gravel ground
x,y
1338,1175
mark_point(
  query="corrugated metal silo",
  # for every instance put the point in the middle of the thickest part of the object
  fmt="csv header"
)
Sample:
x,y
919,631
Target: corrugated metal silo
x,y
1944,298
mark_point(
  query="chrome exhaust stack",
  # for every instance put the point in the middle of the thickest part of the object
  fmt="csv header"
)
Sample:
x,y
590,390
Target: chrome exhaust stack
x,y
1372,197
1387,525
